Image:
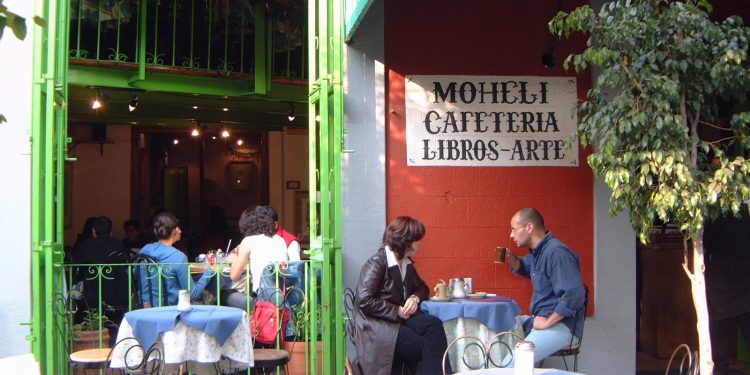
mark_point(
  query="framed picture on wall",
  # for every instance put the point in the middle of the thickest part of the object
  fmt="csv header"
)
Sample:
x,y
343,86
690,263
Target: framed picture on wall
x,y
240,175
302,218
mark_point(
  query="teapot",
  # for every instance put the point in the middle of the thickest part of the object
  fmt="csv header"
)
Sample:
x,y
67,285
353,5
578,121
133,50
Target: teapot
x,y
457,287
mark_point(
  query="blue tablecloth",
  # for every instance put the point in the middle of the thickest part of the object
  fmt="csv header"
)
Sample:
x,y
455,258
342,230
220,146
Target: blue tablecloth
x,y
499,316
217,321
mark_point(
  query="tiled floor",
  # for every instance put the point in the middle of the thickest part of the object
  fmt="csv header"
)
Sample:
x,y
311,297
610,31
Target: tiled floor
x,y
646,363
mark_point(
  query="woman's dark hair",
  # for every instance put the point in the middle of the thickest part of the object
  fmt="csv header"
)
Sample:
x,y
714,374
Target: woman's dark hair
x,y
164,225
401,233
257,220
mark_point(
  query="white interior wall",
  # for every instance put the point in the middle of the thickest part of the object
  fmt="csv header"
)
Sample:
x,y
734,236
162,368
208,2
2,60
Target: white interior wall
x,y
15,191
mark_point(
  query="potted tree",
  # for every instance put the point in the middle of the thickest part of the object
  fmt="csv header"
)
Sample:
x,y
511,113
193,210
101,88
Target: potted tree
x,y
86,334
297,346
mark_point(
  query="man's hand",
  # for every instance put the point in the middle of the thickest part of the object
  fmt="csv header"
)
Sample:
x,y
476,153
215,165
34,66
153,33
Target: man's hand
x,y
513,260
541,322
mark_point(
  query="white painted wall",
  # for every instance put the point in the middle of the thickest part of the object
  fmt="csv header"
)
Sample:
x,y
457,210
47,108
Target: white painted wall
x,y
15,191
363,171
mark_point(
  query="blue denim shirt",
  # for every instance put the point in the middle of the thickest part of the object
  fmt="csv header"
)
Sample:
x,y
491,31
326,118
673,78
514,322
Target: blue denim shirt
x,y
556,279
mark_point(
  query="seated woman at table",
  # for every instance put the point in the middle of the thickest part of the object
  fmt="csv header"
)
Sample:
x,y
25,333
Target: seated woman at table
x,y
175,271
260,247
387,319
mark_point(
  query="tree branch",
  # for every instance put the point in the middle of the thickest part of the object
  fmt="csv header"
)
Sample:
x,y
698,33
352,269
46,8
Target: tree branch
x,y
722,140
714,126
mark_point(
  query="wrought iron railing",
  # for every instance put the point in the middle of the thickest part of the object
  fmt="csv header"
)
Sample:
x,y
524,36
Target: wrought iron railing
x,y
216,36
98,295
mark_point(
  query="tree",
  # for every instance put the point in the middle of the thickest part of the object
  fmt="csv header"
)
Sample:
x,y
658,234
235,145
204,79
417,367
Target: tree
x,y
16,23
666,74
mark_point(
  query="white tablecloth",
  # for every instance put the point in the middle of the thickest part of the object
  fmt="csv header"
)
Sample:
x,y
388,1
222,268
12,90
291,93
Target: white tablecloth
x,y
193,347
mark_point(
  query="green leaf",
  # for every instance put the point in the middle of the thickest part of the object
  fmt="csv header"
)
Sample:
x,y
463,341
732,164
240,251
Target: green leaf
x,y
17,24
2,119
3,22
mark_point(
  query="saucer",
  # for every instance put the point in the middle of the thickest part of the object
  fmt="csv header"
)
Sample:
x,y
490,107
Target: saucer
x,y
477,295
436,299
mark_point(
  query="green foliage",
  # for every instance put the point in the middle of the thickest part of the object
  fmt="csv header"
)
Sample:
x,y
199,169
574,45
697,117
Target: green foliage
x,y
664,68
11,20
91,321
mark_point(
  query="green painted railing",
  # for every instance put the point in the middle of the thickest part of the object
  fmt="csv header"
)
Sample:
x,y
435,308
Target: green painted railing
x,y
197,35
97,296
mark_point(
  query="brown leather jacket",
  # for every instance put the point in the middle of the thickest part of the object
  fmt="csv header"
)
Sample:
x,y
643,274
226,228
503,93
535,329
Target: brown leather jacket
x,y
380,293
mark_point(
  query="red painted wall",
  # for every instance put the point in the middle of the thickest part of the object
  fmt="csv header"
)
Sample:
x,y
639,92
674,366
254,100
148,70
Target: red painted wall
x,y
467,210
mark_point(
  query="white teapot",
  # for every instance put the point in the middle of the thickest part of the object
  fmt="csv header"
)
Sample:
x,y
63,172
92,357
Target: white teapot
x,y
457,287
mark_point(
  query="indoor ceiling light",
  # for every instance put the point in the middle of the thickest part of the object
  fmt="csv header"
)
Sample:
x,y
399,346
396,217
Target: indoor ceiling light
x,y
195,132
99,100
225,133
133,101
225,109
292,112
240,142
176,141
195,107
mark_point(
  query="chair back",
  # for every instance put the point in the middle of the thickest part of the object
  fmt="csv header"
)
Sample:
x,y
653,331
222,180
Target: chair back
x,y
689,363
148,282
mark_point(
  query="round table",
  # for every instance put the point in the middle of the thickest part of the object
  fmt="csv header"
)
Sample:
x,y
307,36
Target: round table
x,y
481,318
200,339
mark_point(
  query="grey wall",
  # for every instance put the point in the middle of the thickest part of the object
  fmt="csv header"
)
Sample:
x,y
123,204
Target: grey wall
x,y
15,191
363,171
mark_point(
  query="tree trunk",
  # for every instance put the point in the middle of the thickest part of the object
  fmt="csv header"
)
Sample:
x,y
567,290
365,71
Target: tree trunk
x,y
698,283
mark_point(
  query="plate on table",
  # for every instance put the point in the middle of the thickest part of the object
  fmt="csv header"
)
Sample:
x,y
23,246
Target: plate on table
x,y
438,299
477,295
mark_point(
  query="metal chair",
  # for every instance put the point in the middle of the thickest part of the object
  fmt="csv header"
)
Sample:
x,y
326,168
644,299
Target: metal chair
x,y
267,360
99,358
147,278
689,363
476,346
574,348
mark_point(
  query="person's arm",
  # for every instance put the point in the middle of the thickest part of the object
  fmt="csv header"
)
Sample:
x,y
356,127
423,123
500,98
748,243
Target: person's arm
x,y
238,265
294,251
519,265
370,281
565,276
419,293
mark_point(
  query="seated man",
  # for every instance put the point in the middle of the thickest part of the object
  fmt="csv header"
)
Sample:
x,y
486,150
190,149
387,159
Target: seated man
x,y
101,248
558,292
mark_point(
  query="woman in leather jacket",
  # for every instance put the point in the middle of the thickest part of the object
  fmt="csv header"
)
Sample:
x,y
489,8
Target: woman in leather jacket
x,y
390,329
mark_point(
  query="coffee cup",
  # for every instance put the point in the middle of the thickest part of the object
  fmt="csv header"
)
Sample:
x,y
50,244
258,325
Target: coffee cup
x,y
500,253
441,290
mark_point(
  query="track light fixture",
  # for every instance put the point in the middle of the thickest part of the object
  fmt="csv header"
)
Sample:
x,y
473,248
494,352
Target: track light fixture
x,y
100,99
292,112
133,101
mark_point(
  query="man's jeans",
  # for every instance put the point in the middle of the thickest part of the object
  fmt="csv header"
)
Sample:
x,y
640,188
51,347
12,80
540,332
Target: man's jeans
x,y
546,341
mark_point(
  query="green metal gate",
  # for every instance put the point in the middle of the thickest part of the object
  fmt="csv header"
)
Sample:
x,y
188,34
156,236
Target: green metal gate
x,y
49,140
325,25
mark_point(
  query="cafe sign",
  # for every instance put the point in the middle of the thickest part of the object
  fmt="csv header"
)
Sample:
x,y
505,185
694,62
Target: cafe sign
x,y
483,121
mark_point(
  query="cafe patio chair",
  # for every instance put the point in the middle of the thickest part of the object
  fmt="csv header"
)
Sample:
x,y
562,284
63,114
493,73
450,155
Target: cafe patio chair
x,y
474,345
144,265
574,348
497,342
267,360
689,364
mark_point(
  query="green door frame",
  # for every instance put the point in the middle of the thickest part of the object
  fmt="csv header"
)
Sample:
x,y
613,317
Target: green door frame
x,y
49,142
325,25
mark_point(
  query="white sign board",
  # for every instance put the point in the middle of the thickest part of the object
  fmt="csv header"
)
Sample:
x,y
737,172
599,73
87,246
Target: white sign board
x,y
483,121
